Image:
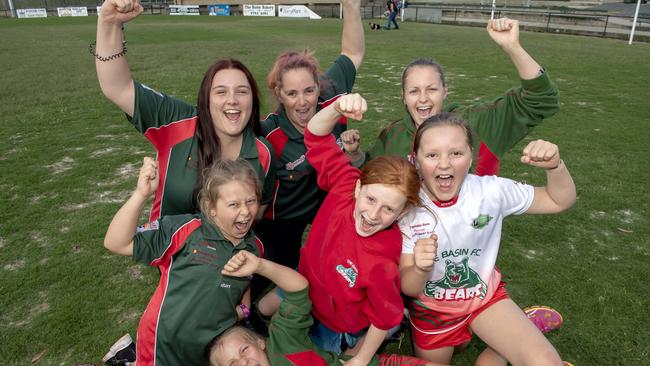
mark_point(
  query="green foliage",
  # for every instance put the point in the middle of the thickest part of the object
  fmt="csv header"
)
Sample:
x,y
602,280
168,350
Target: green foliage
x,y
69,159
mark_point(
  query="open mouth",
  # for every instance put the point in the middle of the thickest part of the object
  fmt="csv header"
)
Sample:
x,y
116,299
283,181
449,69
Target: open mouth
x,y
366,225
454,279
242,225
445,181
232,114
424,112
304,114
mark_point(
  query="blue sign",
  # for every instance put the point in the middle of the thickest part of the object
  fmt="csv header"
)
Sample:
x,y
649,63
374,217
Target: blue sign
x,y
219,10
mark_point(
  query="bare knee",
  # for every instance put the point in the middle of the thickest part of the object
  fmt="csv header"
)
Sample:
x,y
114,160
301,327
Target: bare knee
x,y
546,356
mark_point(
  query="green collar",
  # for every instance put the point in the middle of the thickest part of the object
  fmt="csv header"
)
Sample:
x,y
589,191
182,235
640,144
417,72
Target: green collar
x,y
248,145
287,127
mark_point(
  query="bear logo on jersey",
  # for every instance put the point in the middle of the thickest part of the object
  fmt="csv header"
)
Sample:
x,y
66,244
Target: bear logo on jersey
x,y
459,283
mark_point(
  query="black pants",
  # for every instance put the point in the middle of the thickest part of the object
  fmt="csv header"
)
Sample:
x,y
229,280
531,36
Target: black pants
x,y
282,241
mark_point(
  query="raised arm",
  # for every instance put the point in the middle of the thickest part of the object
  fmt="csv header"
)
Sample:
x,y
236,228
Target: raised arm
x,y
112,69
352,40
350,106
560,191
505,33
119,236
246,263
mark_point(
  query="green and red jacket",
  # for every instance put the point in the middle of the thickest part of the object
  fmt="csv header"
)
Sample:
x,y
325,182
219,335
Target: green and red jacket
x,y
193,302
498,125
297,194
170,125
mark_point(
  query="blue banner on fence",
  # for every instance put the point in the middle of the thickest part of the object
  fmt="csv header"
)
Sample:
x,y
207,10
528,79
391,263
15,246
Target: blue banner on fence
x,y
219,10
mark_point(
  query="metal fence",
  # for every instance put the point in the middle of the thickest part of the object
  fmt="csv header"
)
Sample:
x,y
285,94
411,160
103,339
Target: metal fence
x,y
571,22
567,21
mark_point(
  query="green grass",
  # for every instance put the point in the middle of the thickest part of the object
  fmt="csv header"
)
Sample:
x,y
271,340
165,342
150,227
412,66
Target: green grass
x,y
69,158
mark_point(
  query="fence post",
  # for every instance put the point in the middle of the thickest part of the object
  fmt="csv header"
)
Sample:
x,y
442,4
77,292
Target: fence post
x,y
605,30
548,21
455,10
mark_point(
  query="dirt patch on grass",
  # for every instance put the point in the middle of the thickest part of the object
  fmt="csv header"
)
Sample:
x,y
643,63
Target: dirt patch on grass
x,y
135,272
100,198
129,316
101,152
128,170
61,165
627,216
39,239
2,243
15,265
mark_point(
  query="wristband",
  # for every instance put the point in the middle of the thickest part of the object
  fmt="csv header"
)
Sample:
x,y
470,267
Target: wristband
x,y
245,310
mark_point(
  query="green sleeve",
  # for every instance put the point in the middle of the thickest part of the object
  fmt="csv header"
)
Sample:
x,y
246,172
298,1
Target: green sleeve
x,y
152,240
289,329
155,109
509,118
378,149
341,74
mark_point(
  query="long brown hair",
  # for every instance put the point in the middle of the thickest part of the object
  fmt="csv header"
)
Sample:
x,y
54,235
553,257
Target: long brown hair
x,y
209,146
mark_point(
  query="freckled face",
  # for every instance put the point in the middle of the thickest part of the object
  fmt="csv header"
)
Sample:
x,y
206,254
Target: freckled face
x,y
377,207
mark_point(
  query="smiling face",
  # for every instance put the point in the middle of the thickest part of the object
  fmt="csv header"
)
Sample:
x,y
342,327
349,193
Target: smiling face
x,y
298,92
423,93
377,207
235,349
231,102
234,210
443,159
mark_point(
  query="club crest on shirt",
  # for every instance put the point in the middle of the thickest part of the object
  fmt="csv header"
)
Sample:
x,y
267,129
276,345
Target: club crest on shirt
x,y
460,282
481,221
349,274
153,225
293,164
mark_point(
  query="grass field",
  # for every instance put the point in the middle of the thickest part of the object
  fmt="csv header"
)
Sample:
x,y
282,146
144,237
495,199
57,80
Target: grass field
x,y
69,159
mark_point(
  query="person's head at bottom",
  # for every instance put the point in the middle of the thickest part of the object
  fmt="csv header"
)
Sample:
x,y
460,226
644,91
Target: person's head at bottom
x,y
238,346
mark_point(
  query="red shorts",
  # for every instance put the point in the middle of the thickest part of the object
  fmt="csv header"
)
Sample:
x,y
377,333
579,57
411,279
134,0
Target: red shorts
x,y
458,334
400,360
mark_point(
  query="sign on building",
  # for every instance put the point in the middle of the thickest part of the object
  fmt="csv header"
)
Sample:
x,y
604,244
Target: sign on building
x,y
296,11
219,10
184,10
262,10
72,11
32,13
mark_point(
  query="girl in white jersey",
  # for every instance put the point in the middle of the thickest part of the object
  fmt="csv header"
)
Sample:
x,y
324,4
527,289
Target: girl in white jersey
x,y
451,243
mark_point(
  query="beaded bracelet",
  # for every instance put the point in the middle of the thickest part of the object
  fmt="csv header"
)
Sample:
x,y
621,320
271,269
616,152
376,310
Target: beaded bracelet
x,y
91,49
245,310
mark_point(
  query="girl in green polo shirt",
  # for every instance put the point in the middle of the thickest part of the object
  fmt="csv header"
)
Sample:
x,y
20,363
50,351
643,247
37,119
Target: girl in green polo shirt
x,y
193,302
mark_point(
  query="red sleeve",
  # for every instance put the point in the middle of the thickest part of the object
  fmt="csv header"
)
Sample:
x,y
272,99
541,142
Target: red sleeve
x,y
385,307
335,174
